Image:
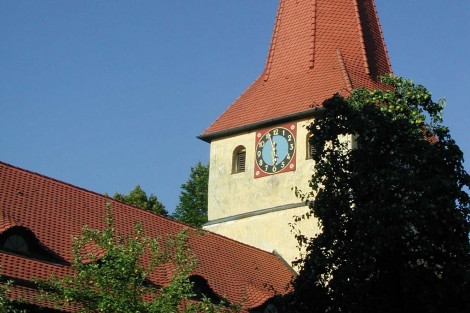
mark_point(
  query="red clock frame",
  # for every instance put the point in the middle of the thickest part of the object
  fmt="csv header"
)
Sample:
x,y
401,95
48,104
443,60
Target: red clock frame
x,y
288,163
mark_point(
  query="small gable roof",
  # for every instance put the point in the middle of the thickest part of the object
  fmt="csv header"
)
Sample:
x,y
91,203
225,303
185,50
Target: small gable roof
x,y
318,48
54,211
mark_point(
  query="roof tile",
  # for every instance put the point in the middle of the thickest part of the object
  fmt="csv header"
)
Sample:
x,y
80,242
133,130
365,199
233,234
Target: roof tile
x,y
55,211
303,69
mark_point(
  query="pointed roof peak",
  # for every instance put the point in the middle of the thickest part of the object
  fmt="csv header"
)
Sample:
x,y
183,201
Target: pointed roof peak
x,y
304,27
318,48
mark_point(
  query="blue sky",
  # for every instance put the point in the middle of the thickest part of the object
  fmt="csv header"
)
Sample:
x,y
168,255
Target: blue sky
x,y
106,95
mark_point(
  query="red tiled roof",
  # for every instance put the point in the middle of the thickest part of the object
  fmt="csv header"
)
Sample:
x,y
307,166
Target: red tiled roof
x,y
54,211
318,48
6,222
30,295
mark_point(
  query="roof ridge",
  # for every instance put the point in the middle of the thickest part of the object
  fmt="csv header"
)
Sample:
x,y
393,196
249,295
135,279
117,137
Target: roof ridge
x,y
49,178
384,45
314,32
361,37
344,70
91,192
271,50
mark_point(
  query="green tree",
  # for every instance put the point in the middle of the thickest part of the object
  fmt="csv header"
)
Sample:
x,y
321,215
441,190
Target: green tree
x,y
137,197
7,305
192,208
113,279
392,207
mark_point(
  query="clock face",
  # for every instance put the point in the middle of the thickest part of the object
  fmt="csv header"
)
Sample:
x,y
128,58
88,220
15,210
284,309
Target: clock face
x,y
275,150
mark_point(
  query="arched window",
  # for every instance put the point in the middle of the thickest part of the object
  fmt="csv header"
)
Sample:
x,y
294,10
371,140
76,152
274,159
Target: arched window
x,y
202,289
20,240
16,243
17,240
238,159
309,146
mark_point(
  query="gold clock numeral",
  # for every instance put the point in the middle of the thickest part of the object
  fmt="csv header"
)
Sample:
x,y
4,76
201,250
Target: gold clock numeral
x,y
281,153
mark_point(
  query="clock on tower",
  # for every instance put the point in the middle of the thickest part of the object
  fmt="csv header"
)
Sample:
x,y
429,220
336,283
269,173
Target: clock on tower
x,y
275,150
259,151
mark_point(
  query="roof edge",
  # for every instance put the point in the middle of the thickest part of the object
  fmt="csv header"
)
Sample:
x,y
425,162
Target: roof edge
x,y
254,213
382,37
271,50
249,127
103,196
279,256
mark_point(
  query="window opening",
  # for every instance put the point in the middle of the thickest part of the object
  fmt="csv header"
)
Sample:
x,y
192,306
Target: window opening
x,y
16,243
309,146
21,241
239,160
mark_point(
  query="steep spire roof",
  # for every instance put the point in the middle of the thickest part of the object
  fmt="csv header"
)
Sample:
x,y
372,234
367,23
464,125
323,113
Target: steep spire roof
x,y
318,48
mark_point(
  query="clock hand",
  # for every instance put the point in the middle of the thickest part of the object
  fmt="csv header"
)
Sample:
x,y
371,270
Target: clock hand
x,y
273,150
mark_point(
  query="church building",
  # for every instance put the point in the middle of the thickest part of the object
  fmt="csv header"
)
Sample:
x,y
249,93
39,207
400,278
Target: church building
x,y
259,151
259,157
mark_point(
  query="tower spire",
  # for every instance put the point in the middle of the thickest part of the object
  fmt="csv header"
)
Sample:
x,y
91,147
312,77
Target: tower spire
x,y
318,48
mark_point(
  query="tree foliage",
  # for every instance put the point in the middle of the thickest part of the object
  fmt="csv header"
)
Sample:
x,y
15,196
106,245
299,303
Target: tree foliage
x,y
392,206
137,197
7,305
192,208
113,278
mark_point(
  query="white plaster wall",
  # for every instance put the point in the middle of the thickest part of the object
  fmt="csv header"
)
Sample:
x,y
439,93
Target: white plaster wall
x,y
232,194
269,231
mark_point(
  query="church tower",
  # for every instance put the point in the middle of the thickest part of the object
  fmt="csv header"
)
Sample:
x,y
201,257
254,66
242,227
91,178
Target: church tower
x,y
259,151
